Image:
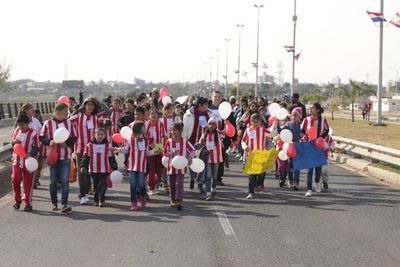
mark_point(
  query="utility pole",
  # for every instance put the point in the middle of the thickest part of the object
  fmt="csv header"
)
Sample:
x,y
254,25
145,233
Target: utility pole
x,y
238,73
226,68
379,91
218,51
258,43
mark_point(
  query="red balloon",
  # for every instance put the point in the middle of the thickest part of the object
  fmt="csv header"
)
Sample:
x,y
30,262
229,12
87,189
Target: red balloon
x,y
52,155
312,133
63,100
291,152
320,143
118,138
163,92
229,129
271,120
19,150
279,143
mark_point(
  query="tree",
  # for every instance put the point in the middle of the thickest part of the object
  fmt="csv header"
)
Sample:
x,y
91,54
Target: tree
x,y
5,71
357,90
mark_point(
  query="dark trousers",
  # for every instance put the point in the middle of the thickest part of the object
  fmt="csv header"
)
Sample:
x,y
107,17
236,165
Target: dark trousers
x,y
253,180
260,179
221,166
318,171
100,186
83,178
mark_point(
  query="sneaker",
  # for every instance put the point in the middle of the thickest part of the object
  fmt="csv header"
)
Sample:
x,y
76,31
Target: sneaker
x,y
84,200
213,191
87,198
318,187
28,208
291,184
262,188
96,204
65,209
326,186
257,188
220,183
208,197
308,193
152,192
201,190
143,202
191,186
172,204
179,206
102,204
147,196
17,205
134,206
282,183
54,207
250,196
295,187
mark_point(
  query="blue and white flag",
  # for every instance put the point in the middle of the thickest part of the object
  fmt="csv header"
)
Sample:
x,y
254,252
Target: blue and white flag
x,y
376,17
308,156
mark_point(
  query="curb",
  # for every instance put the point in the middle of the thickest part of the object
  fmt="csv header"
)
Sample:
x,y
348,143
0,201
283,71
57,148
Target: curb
x,y
365,166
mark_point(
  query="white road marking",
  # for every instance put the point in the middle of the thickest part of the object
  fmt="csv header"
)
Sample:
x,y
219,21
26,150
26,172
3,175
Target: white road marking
x,y
226,225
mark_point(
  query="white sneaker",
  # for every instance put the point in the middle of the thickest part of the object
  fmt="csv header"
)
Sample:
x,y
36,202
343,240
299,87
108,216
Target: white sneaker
x,y
250,196
87,198
84,200
318,187
308,193
152,192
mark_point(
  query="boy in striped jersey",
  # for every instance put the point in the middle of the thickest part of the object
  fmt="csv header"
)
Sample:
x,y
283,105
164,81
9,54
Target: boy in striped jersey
x,y
254,138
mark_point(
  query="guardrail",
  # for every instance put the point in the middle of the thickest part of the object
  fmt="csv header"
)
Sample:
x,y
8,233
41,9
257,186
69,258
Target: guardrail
x,y
10,110
5,152
376,153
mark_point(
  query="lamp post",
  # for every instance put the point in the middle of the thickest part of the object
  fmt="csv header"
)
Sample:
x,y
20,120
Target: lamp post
x,y
218,51
294,47
226,67
258,42
210,58
379,91
238,73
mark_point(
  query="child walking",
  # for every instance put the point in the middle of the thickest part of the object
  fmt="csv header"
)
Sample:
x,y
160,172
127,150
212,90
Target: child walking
x,y
28,139
177,146
98,160
254,138
212,139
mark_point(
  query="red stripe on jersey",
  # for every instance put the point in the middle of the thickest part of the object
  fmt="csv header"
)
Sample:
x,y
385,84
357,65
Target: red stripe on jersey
x,y
30,140
136,156
183,147
255,138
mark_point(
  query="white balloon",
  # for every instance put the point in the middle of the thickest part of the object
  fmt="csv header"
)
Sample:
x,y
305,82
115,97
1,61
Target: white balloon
x,y
281,114
285,146
225,110
179,162
164,161
31,164
166,100
286,136
126,132
197,165
282,155
60,135
273,109
116,177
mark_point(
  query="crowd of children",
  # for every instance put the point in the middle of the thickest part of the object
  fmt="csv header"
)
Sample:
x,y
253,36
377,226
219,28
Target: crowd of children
x,y
191,130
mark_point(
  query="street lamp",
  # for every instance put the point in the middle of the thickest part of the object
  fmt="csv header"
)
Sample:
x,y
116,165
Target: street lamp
x,y
238,71
210,58
218,51
379,91
294,47
226,68
258,42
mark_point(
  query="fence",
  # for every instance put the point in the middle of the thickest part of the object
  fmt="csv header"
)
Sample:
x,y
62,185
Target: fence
x,y
10,110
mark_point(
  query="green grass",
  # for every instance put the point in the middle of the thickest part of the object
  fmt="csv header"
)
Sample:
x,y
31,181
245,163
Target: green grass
x,y
387,167
362,131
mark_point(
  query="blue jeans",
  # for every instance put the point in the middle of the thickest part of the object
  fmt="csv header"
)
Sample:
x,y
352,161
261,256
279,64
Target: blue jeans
x,y
137,179
294,175
318,171
211,177
59,172
100,186
253,180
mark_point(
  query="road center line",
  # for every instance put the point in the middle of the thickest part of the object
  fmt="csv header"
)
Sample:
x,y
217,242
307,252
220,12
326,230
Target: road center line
x,y
226,225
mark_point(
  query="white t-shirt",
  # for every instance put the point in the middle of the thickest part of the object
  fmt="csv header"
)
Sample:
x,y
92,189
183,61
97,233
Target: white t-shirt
x,y
35,124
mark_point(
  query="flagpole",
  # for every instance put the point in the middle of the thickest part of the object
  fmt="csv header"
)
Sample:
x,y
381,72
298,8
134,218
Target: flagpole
x,y
226,68
238,78
294,49
379,91
258,42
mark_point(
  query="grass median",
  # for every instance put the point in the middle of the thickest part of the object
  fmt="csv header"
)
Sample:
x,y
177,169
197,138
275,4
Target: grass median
x,y
365,131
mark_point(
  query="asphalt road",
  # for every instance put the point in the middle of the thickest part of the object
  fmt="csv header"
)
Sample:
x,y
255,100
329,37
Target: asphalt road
x,y
356,223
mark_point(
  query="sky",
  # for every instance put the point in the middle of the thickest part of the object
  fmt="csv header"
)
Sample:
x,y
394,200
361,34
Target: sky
x,y
159,40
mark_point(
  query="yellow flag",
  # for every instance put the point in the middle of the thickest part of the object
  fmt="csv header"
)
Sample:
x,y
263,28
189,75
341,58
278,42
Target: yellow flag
x,y
260,161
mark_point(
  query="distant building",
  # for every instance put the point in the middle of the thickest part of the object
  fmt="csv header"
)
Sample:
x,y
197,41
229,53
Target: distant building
x,y
139,81
388,104
68,85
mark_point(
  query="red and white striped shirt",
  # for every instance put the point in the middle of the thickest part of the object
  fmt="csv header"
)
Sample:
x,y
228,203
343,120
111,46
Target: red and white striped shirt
x,y
99,155
168,122
183,147
255,138
213,146
115,113
137,152
309,122
85,126
49,127
330,143
155,132
29,140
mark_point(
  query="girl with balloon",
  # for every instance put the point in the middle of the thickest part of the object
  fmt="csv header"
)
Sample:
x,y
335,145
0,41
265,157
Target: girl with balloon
x,y
313,127
86,120
58,136
98,160
25,142
179,152
212,139
254,138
